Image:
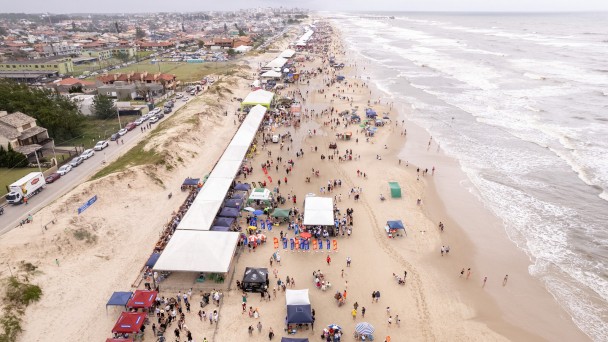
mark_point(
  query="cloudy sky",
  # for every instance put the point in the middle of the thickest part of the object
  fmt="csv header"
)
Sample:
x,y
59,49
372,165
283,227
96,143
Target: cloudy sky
x,y
118,6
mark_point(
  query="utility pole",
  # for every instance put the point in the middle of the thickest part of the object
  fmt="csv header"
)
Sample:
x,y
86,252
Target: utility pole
x,y
118,114
37,161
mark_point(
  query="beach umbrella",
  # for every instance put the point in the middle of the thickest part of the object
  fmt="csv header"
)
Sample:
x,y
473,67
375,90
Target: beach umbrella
x,y
364,328
306,235
253,228
334,327
258,212
249,209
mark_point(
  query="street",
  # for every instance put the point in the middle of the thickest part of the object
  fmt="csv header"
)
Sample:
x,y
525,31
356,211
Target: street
x,y
14,214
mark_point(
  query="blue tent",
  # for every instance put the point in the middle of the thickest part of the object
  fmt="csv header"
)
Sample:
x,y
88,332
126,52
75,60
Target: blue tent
x,y
223,221
370,113
191,181
119,299
397,224
220,229
229,212
237,195
299,314
153,259
291,339
242,187
233,203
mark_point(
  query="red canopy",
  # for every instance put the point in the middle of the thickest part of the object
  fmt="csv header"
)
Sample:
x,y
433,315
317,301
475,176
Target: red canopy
x,y
142,299
129,322
119,340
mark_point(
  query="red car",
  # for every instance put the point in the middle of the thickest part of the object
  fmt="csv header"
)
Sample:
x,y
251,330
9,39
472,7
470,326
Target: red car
x,y
52,177
130,126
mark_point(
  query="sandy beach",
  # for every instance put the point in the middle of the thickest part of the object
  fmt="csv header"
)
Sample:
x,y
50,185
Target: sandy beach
x,y
434,304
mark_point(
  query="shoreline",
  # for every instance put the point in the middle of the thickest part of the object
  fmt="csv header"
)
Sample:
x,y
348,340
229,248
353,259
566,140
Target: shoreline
x,y
528,310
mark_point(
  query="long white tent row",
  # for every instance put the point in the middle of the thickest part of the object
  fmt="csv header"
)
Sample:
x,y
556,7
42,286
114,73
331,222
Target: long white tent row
x,y
305,37
287,53
198,251
277,62
209,200
318,211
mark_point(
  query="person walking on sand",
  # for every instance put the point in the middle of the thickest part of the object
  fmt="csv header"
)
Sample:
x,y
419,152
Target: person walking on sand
x,y
348,260
461,272
270,334
468,273
484,281
397,321
390,321
328,260
354,313
504,281
363,312
259,327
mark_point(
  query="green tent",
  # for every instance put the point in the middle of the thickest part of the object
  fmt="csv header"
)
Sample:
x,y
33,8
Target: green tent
x,y
395,189
280,213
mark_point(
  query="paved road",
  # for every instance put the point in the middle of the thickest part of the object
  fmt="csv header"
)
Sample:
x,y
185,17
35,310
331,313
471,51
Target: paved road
x,y
13,214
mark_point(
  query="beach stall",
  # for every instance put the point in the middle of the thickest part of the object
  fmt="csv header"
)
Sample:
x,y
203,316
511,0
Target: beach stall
x,y
279,213
119,339
287,53
260,196
395,189
190,183
299,310
271,74
142,299
254,279
394,228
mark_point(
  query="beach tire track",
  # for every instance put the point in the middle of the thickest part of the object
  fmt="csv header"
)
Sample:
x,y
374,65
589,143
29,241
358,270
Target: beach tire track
x,y
382,241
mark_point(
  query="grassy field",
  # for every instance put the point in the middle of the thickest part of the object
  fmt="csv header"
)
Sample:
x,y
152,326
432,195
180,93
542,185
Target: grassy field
x,y
94,130
8,176
185,72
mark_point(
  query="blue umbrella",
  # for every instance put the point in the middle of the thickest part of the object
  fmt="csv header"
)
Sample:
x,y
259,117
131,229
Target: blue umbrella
x,y
334,327
364,328
258,212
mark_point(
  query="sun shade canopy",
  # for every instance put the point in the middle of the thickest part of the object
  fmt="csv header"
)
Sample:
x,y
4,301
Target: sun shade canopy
x,y
129,322
318,211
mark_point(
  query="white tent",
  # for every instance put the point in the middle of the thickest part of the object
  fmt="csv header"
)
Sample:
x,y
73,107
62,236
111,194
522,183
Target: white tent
x,y
297,297
318,211
225,169
261,194
277,62
200,215
197,251
258,97
271,74
255,84
243,48
287,53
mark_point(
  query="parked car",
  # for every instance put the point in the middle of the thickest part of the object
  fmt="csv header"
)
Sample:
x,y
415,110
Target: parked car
x,y
154,119
87,154
179,96
114,136
167,110
52,177
160,115
139,121
64,169
76,161
100,145
122,132
131,126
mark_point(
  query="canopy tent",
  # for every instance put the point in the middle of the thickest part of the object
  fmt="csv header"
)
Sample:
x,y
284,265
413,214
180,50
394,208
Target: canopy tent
x,y
287,53
242,187
271,74
198,251
238,195
259,97
277,63
280,213
224,221
229,212
220,229
293,339
152,259
234,203
236,152
260,194
200,215
129,322
191,181
254,279
119,339
318,211
395,189
396,224
142,299
298,306
225,169
119,299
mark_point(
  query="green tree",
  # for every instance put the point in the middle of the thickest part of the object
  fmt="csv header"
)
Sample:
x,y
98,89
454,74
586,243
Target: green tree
x,y
103,107
14,158
242,33
140,33
75,89
122,56
231,52
58,114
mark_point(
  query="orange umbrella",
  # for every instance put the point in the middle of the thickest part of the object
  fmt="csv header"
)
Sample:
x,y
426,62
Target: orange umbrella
x,y
305,235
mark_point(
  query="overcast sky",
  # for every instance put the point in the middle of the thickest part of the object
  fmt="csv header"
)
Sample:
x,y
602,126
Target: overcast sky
x,y
119,6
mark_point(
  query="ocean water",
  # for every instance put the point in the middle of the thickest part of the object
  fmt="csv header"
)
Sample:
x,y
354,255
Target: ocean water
x,y
521,100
